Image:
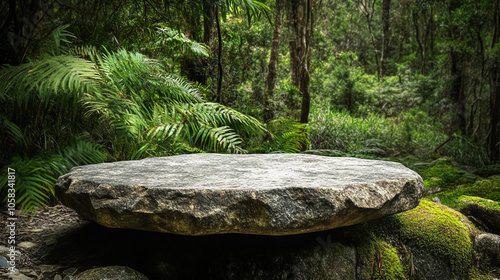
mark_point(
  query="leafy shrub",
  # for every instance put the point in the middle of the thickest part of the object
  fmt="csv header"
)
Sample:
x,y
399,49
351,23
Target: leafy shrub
x,y
411,132
286,135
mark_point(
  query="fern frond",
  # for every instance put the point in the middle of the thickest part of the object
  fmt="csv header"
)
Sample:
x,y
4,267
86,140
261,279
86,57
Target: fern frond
x,y
217,114
60,35
288,136
176,42
35,179
49,77
81,152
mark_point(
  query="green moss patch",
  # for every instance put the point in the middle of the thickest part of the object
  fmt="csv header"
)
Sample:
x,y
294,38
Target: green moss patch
x,y
442,173
485,188
488,170
440,231
379,260
465,200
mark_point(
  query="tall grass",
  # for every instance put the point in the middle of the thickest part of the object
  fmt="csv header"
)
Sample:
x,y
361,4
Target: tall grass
x,y
412,132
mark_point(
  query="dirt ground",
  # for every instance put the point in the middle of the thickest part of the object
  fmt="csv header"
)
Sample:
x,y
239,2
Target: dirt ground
x,y
35,235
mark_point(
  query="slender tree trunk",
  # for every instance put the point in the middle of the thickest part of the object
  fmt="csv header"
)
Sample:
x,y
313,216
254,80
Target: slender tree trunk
x,y
457,96
270,80
219,58
192,67
494,129
386,8
293,22
299,15
305,84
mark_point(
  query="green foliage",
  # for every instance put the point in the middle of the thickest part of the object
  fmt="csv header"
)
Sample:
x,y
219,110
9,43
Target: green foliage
x,y
342,83
59,107
286,136
412,132
36,176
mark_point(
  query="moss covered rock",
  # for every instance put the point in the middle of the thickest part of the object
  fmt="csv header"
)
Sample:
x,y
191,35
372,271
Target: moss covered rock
x,y
377,259
488,170
440,231
485,188
486,211
487,252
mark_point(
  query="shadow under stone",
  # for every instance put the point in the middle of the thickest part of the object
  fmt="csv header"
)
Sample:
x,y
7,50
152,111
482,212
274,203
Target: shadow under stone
x,y
321,255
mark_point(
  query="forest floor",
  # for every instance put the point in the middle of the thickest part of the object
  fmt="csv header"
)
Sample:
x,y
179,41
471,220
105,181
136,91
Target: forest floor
x,y
35,236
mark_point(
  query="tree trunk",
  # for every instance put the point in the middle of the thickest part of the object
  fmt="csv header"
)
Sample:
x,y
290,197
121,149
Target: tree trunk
x,y
305,73
219,58
386,7
494,129
299,15
270,80
293,15
457,96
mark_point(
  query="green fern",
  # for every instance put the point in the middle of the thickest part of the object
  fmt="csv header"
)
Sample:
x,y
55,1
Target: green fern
x,y
35,179
174,42
287,136
123,100
36,176
49,77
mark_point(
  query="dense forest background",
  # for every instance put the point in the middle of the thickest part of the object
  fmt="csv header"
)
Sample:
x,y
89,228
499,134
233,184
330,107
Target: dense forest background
x,y
91,81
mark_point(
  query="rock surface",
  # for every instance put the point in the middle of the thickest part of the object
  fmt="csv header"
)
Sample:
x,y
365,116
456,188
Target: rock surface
x,y
485,210
265,194
487,250
111,273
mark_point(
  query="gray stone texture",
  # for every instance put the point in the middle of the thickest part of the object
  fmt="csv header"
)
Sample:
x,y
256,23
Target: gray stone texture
x,y
111,273
263,194
487,251
488,217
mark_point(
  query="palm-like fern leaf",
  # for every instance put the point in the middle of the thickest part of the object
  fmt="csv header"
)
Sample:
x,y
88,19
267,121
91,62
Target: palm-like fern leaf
x,y
48,77
176,42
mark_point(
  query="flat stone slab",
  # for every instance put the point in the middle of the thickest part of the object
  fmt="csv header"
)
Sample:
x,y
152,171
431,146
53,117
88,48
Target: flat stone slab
x,y
264,194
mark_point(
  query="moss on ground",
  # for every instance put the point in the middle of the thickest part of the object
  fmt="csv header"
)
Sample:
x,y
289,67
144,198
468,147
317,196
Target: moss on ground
x,y
485,188
440,231
488,170
442,173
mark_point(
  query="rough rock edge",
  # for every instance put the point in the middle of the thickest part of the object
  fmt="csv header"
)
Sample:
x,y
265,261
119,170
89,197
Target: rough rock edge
x,y
278,211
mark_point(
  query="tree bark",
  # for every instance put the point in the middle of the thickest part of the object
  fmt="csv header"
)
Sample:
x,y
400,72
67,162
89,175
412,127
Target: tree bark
x,y
270,80
457,96
305,74
299,15
293,15
494,126
219,58
386,7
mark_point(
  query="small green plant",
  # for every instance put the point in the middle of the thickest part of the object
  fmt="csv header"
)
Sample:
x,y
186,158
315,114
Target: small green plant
x,y
286,135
